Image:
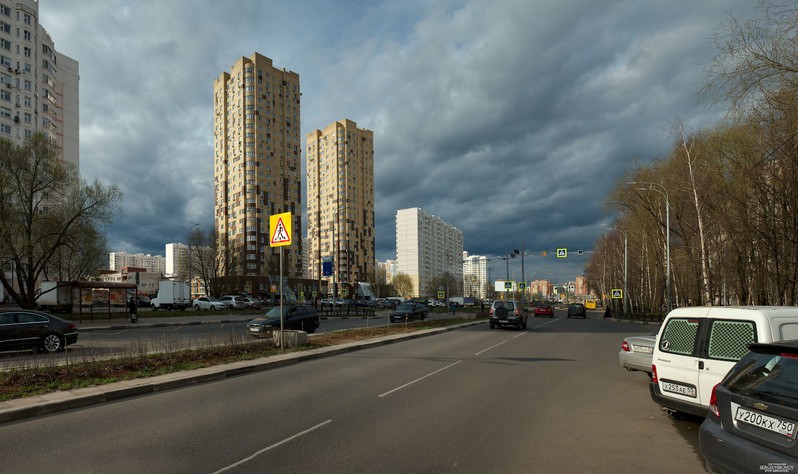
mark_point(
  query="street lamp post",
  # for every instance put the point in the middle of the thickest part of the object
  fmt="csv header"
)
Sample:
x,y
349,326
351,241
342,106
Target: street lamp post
x,y
335,250
190,269
664,193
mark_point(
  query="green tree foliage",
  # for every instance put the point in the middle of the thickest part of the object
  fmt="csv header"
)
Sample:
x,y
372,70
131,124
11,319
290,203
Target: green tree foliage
x,y
732,190
49,218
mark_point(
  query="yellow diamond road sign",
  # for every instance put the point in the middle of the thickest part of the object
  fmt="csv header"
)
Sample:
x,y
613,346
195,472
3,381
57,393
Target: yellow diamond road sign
x,y
280,229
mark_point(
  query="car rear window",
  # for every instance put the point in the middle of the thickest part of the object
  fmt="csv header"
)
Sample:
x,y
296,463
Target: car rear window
x,y
768,377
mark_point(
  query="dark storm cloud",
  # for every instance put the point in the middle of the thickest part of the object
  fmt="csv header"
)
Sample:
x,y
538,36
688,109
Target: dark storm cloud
x,y
508,119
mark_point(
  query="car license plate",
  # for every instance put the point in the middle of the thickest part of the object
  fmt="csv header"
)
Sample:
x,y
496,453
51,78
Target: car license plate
x,y
254,329
644,349
769,423
502,321
680,389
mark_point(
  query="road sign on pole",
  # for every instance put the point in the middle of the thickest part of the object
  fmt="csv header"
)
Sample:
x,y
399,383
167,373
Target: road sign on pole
x,y
617,293
280,229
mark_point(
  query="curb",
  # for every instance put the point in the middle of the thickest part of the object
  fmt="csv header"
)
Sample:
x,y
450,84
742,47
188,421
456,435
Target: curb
x,y
22,408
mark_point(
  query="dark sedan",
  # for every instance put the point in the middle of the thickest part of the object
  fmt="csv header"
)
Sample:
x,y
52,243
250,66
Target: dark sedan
x,y
297,317
577,310
409,312
752,424
24,329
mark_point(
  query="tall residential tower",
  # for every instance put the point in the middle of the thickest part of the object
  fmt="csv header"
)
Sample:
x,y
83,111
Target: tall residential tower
x,y
39,90
256,171
340,183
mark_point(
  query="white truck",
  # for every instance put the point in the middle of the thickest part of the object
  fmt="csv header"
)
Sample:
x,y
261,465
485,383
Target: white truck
x,y
55,296
172,295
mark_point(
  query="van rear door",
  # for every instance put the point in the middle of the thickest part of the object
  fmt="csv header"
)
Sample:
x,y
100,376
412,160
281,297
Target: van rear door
x,y
727,342
678,351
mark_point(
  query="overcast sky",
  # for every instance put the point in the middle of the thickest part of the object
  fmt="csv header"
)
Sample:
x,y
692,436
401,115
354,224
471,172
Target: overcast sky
x,y
509,119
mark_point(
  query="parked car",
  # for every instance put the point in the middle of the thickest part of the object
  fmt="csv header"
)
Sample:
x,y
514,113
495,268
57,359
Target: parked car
x,y
250,303
697,346
636,353
297,317
207,303
233,302
577,310
507,313
409,312
753,413
544,310
25,328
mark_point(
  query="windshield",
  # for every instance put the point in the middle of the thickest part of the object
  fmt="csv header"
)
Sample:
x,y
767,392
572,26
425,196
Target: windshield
x,y
273,313
404,307
212,299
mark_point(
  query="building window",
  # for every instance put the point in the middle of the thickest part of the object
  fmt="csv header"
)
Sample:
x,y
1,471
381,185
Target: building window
x,y
5,128
5,95
5,10
27,52
26,35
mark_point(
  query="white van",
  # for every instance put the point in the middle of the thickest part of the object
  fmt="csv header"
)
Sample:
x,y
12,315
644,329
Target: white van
x,y
697,346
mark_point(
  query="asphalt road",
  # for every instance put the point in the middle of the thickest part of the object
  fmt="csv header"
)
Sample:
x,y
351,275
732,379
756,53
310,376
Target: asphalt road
x,y
549,399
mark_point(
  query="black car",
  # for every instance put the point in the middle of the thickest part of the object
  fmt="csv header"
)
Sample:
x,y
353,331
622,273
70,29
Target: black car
x,y
752,424
297,317
577,310
409,312
25,328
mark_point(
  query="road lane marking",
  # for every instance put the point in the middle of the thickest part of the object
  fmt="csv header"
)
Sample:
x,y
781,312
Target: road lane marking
x,y
231,466
519,335
489,348
547,322
418,379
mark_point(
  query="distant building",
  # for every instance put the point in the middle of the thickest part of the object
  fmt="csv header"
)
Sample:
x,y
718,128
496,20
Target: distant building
x,y
427,247
475,276
152,263
146,282
580,286
340,196
541,289
176,261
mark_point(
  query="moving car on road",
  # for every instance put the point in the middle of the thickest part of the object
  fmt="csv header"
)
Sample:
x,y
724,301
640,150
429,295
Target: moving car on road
x,y
409,312
636,353
25,328
297,317
544,310
577,310
507,313
753,413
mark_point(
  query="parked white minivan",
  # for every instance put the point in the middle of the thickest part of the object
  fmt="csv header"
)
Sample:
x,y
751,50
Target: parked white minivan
x,y
697,346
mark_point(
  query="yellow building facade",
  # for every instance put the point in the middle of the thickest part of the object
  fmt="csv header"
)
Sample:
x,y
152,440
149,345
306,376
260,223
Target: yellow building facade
x,y
256,109
340,204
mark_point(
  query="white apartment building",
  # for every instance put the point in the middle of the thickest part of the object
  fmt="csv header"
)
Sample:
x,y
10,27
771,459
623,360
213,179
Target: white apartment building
x,y
475,276
427,247
153,263
176,260
39,86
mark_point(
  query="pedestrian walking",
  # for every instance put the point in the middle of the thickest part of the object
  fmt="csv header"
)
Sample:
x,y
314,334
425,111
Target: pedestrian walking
x,y
134,318
607,313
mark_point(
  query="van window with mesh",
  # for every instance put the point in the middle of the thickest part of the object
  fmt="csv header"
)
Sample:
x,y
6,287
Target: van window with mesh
x,y
679,336
728,339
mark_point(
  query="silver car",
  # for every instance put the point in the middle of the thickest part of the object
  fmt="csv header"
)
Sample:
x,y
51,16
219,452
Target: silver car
x,y
233,302
637,353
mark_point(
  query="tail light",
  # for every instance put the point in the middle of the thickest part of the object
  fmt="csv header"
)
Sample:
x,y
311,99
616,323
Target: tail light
x,y
491,311
72,327
517,312
713,401
654,377
625,346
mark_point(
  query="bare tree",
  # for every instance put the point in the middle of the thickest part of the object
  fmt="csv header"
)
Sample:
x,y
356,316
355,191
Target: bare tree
x,y
206,260
403,284
43,207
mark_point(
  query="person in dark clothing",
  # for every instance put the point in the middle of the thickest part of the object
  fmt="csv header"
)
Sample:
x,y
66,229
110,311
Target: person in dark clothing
x,y
607,313
134,318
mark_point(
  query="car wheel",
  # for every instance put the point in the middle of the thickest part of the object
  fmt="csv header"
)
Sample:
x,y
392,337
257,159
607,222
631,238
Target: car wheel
x,y
52,343
196,307
492,326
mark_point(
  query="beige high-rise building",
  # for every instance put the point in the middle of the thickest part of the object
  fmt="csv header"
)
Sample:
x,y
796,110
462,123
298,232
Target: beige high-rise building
x,y
340,183
257,173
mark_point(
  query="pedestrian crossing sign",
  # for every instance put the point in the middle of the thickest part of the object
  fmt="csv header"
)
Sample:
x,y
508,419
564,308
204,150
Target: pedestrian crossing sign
x,y
562,253
280,229
617,293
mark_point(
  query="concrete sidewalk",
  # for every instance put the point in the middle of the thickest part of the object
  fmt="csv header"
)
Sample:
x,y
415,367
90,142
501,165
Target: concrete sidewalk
x,y
64,400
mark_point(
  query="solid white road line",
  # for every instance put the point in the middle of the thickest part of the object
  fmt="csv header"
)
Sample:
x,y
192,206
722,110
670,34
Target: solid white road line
x,y
272,447
418,379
